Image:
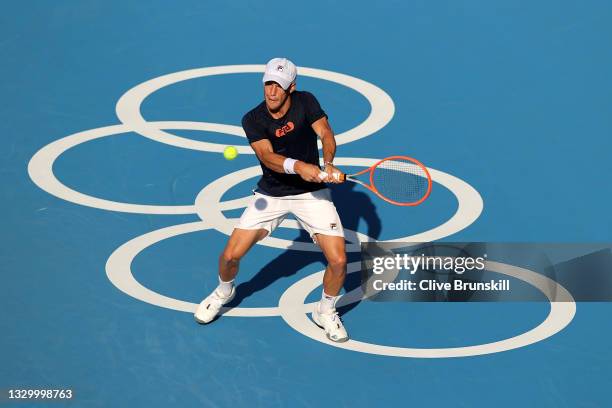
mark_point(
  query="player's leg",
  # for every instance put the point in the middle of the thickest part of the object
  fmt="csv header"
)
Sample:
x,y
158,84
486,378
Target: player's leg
x,y
318,215
237,246
333,248
260,218
325,315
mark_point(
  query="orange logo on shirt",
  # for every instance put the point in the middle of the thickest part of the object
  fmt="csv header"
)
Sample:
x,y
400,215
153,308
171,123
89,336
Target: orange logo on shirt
x,y
285,129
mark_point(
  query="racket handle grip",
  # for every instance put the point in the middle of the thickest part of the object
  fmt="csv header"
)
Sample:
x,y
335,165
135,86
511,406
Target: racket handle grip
x,y
323,175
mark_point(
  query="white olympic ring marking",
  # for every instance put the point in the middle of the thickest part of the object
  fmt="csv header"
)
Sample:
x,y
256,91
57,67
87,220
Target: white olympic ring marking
x,y
128,106
208,206
40,169
561,314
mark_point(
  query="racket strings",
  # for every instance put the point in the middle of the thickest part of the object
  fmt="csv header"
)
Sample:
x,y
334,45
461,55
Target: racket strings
x,y
400,180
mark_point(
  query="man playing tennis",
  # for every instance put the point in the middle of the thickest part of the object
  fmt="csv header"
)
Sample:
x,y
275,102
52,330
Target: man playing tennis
x,y
283,130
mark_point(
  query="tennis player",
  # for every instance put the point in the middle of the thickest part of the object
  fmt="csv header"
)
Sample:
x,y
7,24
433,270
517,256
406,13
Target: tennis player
x,y
283,131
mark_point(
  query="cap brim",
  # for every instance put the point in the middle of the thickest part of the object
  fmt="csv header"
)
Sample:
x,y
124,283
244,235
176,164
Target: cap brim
x,y
283,82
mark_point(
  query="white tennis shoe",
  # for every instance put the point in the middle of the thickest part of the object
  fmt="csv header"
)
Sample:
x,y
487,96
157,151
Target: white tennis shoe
x,y
209,308
331,323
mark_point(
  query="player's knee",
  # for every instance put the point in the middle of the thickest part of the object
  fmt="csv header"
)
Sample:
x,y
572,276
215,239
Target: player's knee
x,y
229,256
338,262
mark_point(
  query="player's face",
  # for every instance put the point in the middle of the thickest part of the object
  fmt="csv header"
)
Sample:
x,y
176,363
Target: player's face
x,y
275,96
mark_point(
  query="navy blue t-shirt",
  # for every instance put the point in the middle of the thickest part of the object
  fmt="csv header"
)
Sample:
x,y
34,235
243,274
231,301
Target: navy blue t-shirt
x,y
291,136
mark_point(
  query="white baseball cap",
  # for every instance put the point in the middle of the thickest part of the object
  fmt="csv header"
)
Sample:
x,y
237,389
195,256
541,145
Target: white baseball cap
x,y
280,70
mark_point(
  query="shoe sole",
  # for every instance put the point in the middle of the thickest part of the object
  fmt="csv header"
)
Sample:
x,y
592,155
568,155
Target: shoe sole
x,y
202,321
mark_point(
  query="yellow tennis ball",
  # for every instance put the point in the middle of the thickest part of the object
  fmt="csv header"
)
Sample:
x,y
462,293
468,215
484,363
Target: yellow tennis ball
x,y
230,153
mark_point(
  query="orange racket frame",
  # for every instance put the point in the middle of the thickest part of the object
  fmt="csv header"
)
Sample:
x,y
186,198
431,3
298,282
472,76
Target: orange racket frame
x,y
372,187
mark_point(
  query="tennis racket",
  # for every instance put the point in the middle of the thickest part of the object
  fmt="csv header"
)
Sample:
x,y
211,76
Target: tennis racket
x,y
399,180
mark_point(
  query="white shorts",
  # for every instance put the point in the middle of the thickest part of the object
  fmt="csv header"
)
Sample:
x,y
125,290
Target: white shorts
x,y
315,211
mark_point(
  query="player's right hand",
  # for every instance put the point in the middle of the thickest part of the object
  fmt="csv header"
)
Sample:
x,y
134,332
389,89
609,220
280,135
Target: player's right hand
x,y
334,175
308,172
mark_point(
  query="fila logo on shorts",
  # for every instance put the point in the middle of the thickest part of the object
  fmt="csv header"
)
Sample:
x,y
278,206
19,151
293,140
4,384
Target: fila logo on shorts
x,y
285,129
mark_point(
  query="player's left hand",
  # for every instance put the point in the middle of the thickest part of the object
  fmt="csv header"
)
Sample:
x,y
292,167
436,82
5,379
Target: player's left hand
x,y
331,170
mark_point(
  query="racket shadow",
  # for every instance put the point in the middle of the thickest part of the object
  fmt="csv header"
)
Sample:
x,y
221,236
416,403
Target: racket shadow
x,y
353,206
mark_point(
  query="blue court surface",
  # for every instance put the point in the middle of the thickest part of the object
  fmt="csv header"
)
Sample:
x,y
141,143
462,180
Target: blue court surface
x,y
117,201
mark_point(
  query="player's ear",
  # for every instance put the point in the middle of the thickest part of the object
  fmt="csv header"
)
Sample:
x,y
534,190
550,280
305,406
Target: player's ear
x,y
292,87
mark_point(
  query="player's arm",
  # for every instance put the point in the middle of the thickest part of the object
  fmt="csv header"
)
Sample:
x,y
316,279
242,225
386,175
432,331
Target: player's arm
x,y
328,140
276,162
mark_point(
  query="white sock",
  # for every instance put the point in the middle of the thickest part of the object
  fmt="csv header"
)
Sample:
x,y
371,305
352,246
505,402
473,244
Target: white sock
x,y
328,303
225,288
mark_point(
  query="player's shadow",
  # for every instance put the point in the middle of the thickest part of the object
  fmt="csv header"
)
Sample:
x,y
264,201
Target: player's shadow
x,y
352,207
